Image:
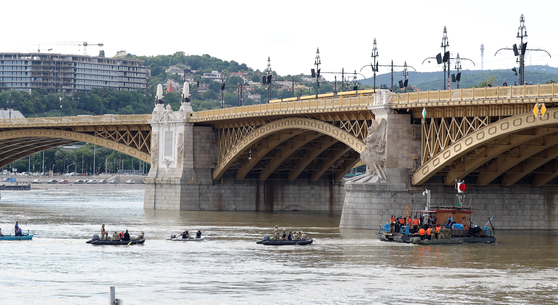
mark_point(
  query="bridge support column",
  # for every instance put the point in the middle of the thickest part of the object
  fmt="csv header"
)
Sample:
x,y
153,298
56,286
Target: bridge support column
x,y
181,156
392,148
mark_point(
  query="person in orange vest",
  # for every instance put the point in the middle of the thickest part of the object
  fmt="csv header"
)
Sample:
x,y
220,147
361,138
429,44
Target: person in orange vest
x,y
429,233
421,232
415,224
392,224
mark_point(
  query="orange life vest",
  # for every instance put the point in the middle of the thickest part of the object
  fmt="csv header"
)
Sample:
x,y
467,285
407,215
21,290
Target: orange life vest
x,y
402,221
121,235
421,231
428,232
415,222
438,229
409,221
392,220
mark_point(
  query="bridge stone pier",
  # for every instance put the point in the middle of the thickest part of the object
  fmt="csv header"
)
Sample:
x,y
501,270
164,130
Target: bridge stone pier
x,y
392,185
392,148
183,158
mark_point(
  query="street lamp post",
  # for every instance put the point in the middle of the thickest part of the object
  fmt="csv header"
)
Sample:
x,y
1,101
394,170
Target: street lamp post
x,y
10,111
446,60
222,89
317,62
269,78
457,77
375,63
522,34
520,50
376,67
240,92
405,75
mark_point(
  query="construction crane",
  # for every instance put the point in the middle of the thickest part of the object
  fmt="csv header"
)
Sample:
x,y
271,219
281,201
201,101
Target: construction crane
x,y
71,43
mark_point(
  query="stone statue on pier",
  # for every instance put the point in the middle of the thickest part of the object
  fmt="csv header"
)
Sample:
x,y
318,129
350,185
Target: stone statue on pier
x,y
159,99
185,105
374,154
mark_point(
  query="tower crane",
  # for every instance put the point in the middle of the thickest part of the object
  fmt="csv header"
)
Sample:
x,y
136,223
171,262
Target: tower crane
x,y
72,43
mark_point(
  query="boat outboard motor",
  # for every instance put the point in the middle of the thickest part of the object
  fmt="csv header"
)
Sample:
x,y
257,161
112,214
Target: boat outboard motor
x,y
266,237
95,237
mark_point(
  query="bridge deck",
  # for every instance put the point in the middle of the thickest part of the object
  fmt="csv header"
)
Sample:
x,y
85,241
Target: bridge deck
x,y
80,120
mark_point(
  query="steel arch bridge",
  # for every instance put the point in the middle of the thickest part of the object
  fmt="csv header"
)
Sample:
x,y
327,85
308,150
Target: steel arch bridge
x,y
486,135
460,136
308,140
128,134
483,135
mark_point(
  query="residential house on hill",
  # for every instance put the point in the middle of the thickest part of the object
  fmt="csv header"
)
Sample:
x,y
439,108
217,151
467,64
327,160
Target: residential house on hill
x,y
214,75
175,70
241,75
203,88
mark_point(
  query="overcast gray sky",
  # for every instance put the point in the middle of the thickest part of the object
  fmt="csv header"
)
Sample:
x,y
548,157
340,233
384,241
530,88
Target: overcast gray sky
x,y
288,31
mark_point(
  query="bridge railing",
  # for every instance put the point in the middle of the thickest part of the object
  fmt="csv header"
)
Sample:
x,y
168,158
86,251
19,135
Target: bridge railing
x,y
329,104
107,119
476,93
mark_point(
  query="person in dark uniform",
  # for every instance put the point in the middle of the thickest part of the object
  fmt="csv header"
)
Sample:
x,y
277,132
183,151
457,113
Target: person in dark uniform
x,y
198,234
126,235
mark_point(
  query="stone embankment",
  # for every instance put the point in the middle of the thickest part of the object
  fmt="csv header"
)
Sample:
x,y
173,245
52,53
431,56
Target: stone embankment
x,y
72,179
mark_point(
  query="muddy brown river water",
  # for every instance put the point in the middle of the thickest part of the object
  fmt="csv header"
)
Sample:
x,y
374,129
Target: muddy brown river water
x,y
341,267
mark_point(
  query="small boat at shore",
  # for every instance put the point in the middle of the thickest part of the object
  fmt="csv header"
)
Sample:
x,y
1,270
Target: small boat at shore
x,y
449,225
270,242
179,238
24,236
96,241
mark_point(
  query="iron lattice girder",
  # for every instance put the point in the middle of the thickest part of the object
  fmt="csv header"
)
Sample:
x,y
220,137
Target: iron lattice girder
x,y
138,139
439,133
328,163
286,151
15,149
233,131
311,155
258,154
548,172
482,155
530,165
511,158
264,147
529,141
133,140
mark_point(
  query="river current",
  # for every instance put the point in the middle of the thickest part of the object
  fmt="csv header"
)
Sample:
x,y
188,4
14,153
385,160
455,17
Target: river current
x,y
341,267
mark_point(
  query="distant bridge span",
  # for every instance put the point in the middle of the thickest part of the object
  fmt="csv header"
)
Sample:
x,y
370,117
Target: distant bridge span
x,y
128,134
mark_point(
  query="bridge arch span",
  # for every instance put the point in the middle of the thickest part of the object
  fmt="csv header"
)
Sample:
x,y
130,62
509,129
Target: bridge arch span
x,y
299,131
20,143
498,147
